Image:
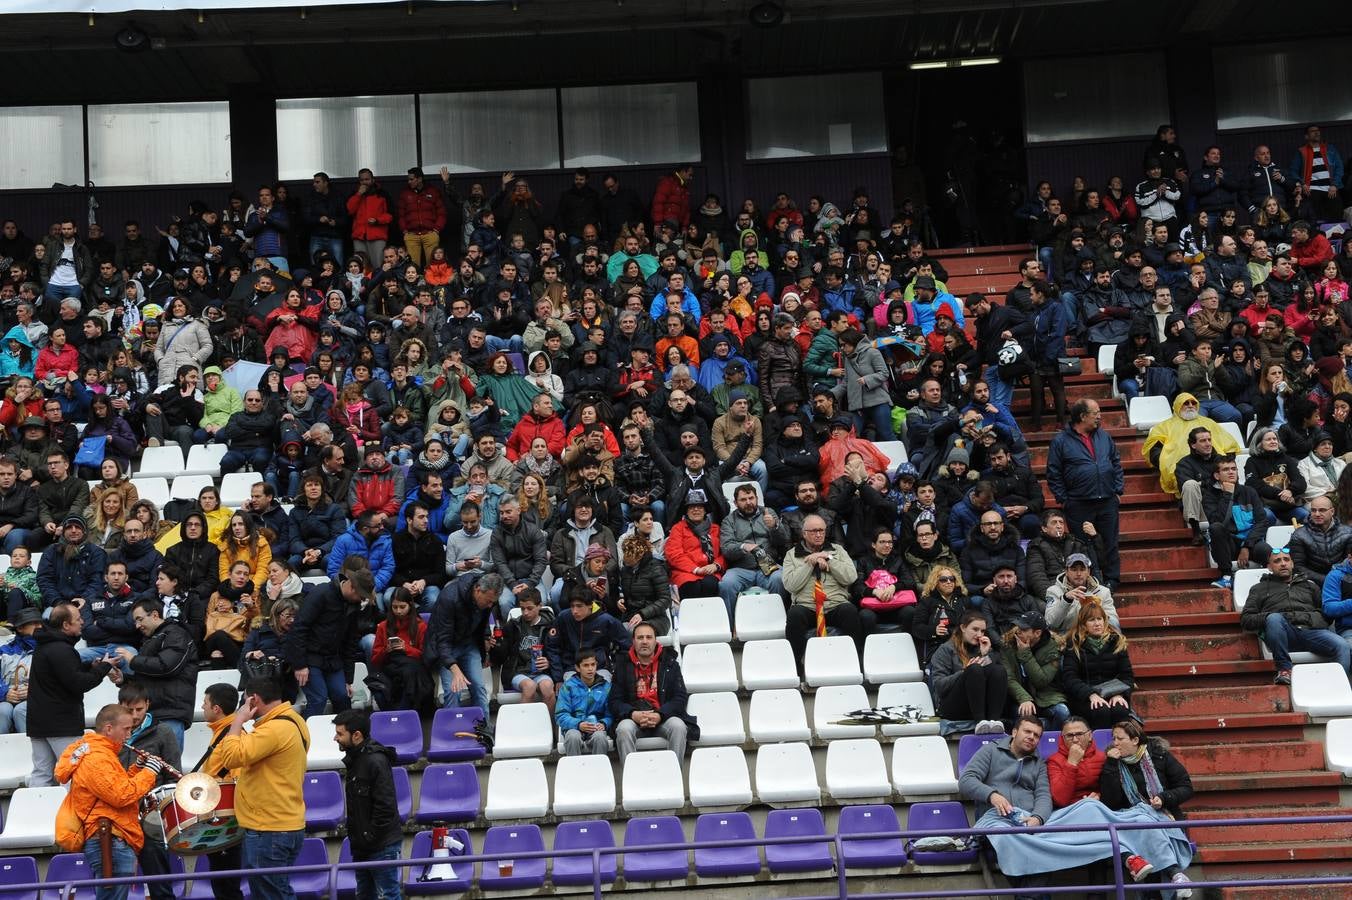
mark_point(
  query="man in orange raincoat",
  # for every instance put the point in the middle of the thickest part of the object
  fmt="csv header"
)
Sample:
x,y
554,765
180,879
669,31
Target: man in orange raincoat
x,y
105,797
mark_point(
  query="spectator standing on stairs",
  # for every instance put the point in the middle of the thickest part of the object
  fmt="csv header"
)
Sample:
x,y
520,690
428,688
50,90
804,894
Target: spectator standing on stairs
x,y
1084,472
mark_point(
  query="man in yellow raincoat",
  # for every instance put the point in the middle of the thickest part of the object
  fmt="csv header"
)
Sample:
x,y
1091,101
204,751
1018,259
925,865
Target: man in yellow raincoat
x,y
1167,442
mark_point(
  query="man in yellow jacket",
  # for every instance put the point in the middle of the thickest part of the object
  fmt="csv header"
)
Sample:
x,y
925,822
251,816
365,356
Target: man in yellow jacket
x,y
270,768
102,791
219,703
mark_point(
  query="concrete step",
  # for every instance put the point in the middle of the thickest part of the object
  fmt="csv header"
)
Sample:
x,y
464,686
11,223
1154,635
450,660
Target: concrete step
x,y
1279,851
1120,434
1194,649
1137,601
1135,484
1265,871
1221,759
1262,790
1003,267
1128,449
1137,565
1094,388
1213,701
1187,674
1241,834
1153,623
993,250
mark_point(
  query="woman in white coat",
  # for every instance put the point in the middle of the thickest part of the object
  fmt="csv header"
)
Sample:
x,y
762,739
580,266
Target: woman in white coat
x,y
184,341
1321,469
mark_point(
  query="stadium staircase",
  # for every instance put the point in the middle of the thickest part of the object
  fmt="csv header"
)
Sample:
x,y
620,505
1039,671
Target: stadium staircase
x,y
1202,683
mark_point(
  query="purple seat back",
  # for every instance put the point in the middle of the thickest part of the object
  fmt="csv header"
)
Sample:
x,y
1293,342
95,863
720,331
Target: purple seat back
x,y
444,746
18,870
422,849
726,862
1050,743
804,857
947,814
66,867
347,878
511,841
871,853
401,731
1103,739
311,884
324,800
655,865
575,870
403,793
971,743
450,793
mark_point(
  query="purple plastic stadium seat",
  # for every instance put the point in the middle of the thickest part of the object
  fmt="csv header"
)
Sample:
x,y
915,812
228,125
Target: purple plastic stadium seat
x,y
1103,739
324,801
511,841
444,746
401,731
971,743
311,885
655,865
403,793
449,794
18,870
871,853
948,814
806,857
576,870
67,867
1047,747
414,884
347,878
726,862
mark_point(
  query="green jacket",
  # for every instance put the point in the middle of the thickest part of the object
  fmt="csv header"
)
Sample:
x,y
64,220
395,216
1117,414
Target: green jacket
x,y
219,405
822,358
1033,672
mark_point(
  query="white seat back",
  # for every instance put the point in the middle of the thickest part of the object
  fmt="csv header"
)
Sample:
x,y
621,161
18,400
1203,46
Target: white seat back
x,y
768,664
719,777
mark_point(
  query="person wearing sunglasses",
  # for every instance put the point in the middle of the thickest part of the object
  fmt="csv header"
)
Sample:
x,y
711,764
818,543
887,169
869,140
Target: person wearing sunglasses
x,y
1285,609
943,600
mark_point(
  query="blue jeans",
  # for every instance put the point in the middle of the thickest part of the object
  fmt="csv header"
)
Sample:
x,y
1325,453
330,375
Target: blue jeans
x,y
379,884
290,489
332,244
1282,637
124,863
270,850
511,345
1045,255
1221,411
89,654
54,294
234,460
470,661
880,416
177,726
734,581
15,538
1002,395
425,603
326,687
1129,388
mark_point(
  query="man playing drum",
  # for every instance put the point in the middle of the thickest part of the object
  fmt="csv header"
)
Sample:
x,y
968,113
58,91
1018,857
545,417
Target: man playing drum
x,y
149,736
219,703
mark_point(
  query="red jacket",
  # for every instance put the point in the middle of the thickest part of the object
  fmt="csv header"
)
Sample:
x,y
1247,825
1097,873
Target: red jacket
x,y
371,205
413,643
421,211
684,554
1312,253
1072,783
671,200
383,490
530,428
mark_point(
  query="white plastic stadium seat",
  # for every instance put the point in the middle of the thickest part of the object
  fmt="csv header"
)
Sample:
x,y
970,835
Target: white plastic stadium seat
x,y
517,789
786,775
1145,413
768,664
155,489
324,752
32,818
235,488
524,729
832,703
1244,581
196,740
1338,745
777,715
759,617
891,657
855,770
1107,355
160,462
908,693
584,786
720,718
1233,430
1280,535
730,491
185,487
895,451
104,692
832,660
719,777
16,760
204,459
708,667
205,679
922,766
651,781
1321,690
703,620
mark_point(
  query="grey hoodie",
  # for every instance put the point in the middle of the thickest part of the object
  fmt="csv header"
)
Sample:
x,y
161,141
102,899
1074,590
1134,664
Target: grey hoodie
x,y
1023,782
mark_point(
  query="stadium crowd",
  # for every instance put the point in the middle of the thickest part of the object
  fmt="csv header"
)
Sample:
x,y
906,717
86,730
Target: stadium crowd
x,y
520,433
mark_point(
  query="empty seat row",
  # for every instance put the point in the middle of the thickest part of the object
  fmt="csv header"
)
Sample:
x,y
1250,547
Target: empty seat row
x,y
769,664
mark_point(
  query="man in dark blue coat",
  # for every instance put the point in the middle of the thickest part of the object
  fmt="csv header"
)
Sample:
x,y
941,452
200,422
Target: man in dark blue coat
x,y
1085,475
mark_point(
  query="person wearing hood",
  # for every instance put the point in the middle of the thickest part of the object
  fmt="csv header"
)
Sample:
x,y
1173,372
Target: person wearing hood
x,y
1167,442
19,356
1320,469
1072,589
16,664
788,460
375,829
1275,474
1032,657
195,557
220,401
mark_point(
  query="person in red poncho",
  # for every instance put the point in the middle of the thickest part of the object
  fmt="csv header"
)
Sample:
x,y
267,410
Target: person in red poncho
x,y
1074,768
841,444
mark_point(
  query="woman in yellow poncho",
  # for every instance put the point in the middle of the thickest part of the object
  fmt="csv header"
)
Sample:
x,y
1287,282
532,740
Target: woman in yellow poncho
x,y
1167,442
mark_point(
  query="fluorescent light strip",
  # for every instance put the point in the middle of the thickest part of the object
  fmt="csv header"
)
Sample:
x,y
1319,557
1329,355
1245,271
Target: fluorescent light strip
x,y
955,63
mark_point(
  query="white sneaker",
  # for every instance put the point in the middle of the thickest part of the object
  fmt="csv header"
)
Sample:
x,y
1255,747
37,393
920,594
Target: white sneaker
x,y
990,726
1181,893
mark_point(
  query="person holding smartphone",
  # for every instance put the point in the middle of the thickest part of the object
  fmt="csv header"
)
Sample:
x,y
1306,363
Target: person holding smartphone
x,y
970,684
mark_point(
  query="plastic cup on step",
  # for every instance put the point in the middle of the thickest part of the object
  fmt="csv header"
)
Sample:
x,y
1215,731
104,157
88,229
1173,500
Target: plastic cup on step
x,y
505,868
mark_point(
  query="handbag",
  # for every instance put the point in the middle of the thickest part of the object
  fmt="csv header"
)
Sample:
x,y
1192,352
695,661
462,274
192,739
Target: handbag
x,y
91,451
899,599
1113,687
1069,365
1012,361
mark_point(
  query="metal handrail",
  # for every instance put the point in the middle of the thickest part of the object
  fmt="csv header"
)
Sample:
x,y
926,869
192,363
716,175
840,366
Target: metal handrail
x,y
1120,884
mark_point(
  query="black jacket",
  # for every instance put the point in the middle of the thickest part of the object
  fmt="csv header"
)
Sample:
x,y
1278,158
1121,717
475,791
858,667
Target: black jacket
x,y
199,561
107,620
418,557
325,634
1299,601
318,527
1081,671
57,684
1046,559
1270,474
167,665
520,553
1315,551
671,691
1174,780
142,561
981,556
19,507
373,821
457,621
929,612
647,592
